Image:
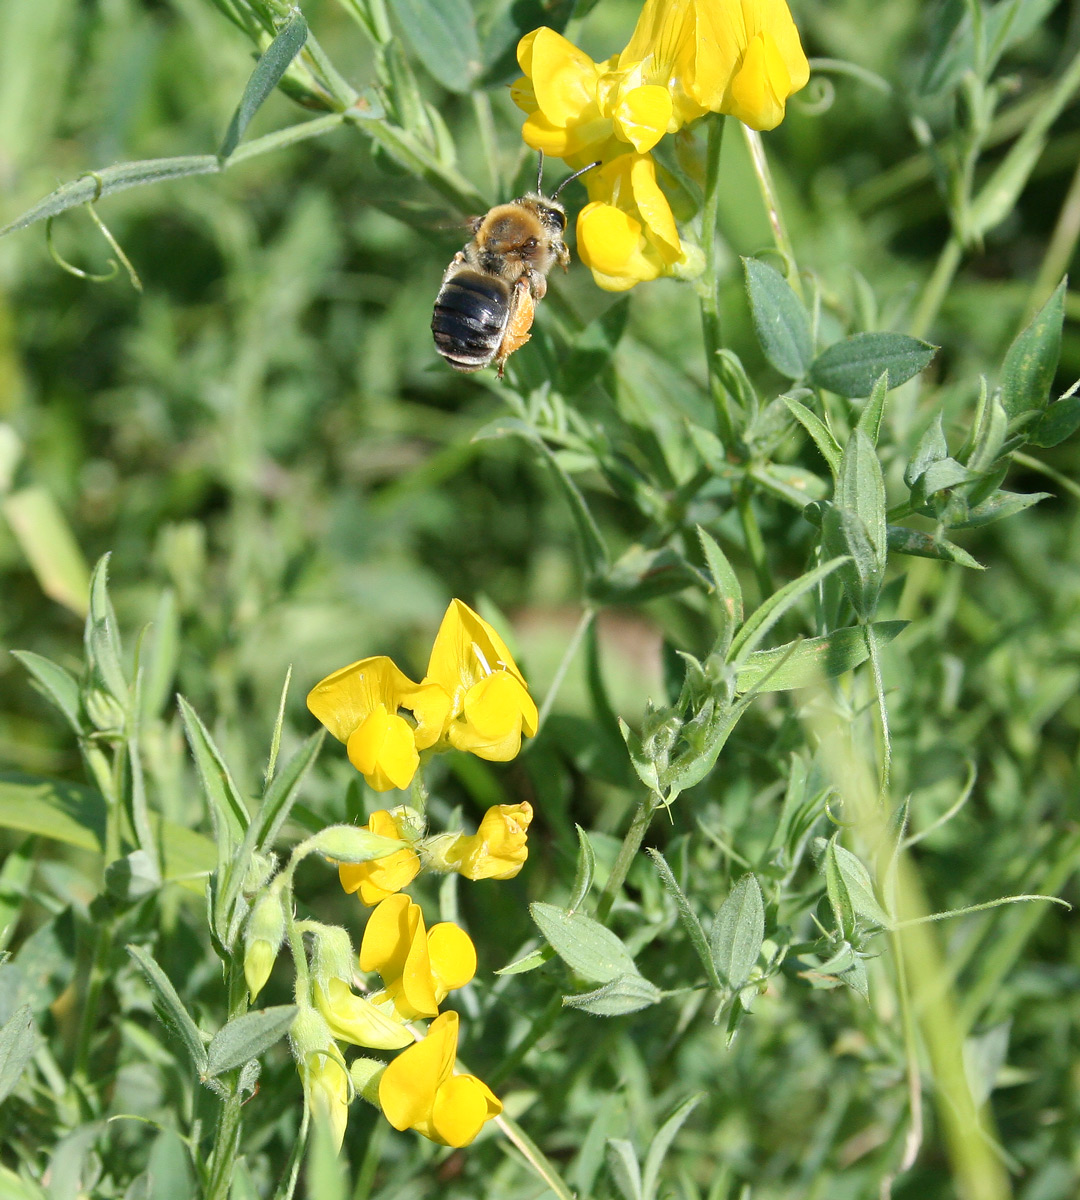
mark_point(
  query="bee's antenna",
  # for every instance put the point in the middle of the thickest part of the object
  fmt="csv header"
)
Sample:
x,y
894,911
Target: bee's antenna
x,y
540,174
571,178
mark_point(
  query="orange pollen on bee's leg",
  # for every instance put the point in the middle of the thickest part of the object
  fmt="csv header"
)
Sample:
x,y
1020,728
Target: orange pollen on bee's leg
x,y
517,329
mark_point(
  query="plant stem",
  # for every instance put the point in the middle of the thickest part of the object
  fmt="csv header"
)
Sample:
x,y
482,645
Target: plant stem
x,y
564,665
883,713
1060,251
710,303
772,206
226,1139
540,1026
937,287
755,543
631,844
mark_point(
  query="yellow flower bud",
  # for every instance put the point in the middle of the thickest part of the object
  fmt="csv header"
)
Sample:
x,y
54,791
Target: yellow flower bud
x,y
498,848
262,936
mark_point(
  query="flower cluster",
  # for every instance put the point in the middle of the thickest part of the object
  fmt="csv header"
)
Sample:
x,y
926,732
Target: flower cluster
x,y
685,58
472,698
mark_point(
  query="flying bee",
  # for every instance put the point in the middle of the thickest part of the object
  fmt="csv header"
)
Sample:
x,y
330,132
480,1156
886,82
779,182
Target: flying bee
x,y
485,307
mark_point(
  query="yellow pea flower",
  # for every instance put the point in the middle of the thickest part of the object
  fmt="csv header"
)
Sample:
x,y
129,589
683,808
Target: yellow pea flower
x,y
420,1091
419,968
626,234
488,704
360,704
498,848
382,877
741,57
354,1019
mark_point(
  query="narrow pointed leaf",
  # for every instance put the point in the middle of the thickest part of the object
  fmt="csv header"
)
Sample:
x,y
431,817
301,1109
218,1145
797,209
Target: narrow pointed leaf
x,y
268,73
805,663
594,952
1027,374
171,1008
851,367
246,1037
781,321
738,931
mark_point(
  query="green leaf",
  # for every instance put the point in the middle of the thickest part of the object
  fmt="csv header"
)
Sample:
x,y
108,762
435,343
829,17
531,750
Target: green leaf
x,y
269,70
443,35
687,916
246,1037
623,1165
625,994
114,179
738,932
159,656
765,617
132,877
1027,374
586,869
661,1143
45,537
997,507
818,430
170,1008
1060,421
850,890
870,417
102,638
586,947
75,815
61,688
528,962
926,545
226,807
806,662
17,1040
282,792
852,366
781,321
726,584
932,448
844,532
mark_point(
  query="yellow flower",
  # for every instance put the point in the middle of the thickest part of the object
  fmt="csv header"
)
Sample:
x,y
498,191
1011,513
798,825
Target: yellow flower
x,y
359,705
420,1091
627,233
488,704
382,877
498,848
741,57
418,967
581,110
356,1020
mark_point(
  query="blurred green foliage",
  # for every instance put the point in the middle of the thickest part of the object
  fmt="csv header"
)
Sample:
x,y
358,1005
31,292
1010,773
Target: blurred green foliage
x,y
285,474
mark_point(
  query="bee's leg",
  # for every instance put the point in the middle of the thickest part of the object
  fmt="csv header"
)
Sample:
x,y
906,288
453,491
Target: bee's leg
x,y
518,324
562,255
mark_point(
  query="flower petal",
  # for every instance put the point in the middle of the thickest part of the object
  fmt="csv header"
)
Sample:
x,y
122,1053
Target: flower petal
x,y
344,699
761,85
495,710
453,957
356,1020
388,936
563,77
467,650
409,1084
642,116
383,749
461,1107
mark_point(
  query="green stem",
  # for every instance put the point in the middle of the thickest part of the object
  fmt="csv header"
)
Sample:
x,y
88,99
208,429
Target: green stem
x,y
1059,252
883,713
710,304
772,206
541,1024
226,1140
755,543
635,835
95,984
564,665
937,287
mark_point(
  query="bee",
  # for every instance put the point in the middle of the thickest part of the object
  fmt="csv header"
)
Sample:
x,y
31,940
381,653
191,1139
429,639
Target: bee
x,y
485,307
